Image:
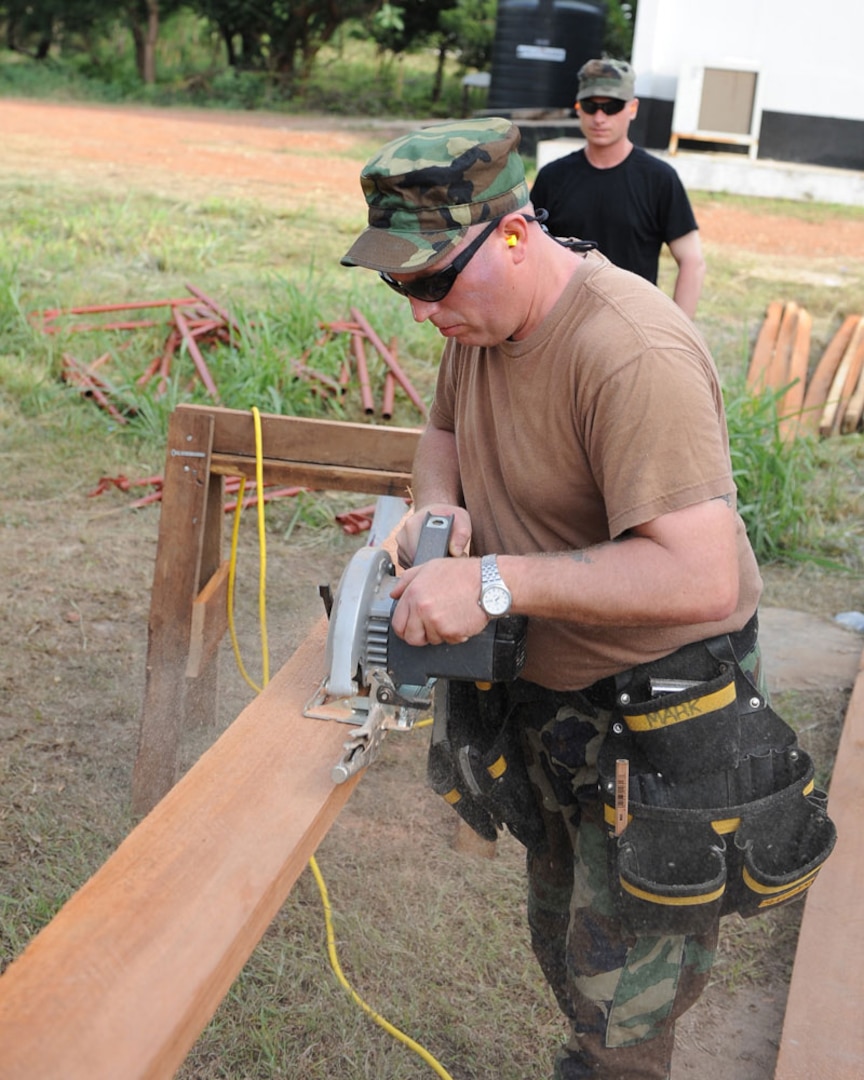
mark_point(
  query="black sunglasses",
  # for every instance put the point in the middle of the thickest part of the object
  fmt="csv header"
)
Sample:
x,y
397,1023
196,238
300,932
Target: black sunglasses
x,y
434,287
610,107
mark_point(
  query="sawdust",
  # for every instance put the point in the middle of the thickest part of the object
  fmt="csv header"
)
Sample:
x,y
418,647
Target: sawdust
x,y
76,576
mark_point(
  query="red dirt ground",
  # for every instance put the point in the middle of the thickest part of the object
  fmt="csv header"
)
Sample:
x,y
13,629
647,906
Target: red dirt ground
x,y
287,158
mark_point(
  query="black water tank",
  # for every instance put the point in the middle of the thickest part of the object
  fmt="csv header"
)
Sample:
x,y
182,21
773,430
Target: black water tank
x,y
538,49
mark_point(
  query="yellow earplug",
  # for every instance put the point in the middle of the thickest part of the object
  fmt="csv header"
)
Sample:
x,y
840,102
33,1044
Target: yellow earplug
x,y
512,241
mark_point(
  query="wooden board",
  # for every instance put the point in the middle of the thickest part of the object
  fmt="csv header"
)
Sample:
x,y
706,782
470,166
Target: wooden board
x,y
123,980
851,419
188,553
844,382
777,374
796,376
209,621
823,1030
763,350
820,381
318,442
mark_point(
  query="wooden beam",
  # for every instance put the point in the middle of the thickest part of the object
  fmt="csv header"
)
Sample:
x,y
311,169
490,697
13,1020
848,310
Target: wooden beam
x,y
127,975
823,1032
777,374
820,383
841,390
796,376
340,477
188,554
763,350
209,621
318,442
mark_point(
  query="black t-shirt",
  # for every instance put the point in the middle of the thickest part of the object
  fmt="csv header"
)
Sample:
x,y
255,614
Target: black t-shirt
x,y
630,210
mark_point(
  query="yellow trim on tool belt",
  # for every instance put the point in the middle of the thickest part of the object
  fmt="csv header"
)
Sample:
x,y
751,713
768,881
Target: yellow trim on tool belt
x,y
497,768
772,900
452,797
778,892
724,826
672,901
687,710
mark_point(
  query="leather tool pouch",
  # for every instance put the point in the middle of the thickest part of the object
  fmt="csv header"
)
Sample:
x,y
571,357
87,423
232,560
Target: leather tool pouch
x,y
723,814
476,763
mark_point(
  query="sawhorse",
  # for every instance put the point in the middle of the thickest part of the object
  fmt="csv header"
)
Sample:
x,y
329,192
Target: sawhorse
x,y
188,605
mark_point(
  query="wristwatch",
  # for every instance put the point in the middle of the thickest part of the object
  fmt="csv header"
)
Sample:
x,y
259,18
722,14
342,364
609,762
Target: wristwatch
x,y
495,598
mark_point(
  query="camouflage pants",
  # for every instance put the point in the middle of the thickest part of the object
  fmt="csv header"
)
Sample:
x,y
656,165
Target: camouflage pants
x,y
620,993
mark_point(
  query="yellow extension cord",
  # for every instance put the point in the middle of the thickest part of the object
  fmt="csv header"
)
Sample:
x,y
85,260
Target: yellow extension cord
x,y
435,1065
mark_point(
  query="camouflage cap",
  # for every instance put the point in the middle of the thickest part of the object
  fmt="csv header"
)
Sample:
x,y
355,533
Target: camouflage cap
x,y
426,189
607,78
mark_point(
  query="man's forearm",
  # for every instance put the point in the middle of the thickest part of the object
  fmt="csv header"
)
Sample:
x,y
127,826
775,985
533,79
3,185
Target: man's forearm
x,y
436,469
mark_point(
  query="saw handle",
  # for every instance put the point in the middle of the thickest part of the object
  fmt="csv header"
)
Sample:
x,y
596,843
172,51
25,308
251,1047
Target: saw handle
x,y
434,542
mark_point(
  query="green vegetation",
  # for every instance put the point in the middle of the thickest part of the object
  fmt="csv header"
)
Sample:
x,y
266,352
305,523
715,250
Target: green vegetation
x,y
346,56
278,272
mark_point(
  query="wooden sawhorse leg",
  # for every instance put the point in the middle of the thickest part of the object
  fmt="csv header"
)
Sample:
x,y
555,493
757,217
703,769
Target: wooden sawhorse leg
x,y
188,555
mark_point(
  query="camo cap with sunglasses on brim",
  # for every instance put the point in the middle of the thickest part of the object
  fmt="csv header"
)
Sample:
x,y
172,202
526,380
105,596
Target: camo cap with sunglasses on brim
x,y
426,189
606,78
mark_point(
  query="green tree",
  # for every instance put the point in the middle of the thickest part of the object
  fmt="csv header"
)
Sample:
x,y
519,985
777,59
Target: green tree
x,y
620,22
464,28
470,30
34,27
277,35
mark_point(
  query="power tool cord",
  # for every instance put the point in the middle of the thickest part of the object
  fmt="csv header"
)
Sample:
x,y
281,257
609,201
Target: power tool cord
x,y
406,1040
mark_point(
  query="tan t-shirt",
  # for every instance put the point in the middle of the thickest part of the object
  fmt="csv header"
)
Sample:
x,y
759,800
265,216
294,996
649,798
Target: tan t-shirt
x,y
607,416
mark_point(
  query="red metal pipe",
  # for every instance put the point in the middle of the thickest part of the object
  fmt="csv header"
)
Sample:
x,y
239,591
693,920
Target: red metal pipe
x,y
214,307
90,385
195,353
389,394
391,362
363,374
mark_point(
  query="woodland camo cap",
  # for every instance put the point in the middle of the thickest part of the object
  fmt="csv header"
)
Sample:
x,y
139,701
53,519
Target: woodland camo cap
x,y
424,191
606,78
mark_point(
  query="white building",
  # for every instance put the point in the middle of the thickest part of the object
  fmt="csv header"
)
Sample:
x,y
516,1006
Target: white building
x,y
780,78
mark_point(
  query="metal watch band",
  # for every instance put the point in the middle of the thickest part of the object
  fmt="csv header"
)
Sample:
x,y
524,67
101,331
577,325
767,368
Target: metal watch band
x,y
489,573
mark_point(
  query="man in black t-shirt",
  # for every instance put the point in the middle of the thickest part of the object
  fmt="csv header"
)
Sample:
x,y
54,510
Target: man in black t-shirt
x,y
617,194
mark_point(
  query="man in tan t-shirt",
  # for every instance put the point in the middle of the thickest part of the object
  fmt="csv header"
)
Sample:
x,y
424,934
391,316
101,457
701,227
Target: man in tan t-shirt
x,y
577,438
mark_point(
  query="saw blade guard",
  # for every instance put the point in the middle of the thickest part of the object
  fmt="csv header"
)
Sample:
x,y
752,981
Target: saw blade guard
x,y
346,635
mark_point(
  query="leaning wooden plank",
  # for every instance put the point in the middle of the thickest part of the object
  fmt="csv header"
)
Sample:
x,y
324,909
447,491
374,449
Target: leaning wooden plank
x,y
799,359
823,1035
819,385
128,973
851,418
763,350
829,422
777,375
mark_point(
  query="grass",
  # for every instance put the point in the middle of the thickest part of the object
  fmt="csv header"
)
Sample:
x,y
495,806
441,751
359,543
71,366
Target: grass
x,y
138,246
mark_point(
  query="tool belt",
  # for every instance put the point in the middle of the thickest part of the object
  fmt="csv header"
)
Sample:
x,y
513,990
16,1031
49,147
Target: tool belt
x,y
476,762
722,813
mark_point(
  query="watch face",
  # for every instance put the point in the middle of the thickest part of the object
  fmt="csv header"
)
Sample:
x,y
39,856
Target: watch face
x,y
496,600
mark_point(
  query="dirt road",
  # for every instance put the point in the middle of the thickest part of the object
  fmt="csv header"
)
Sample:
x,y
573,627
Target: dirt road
x,y
292,161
